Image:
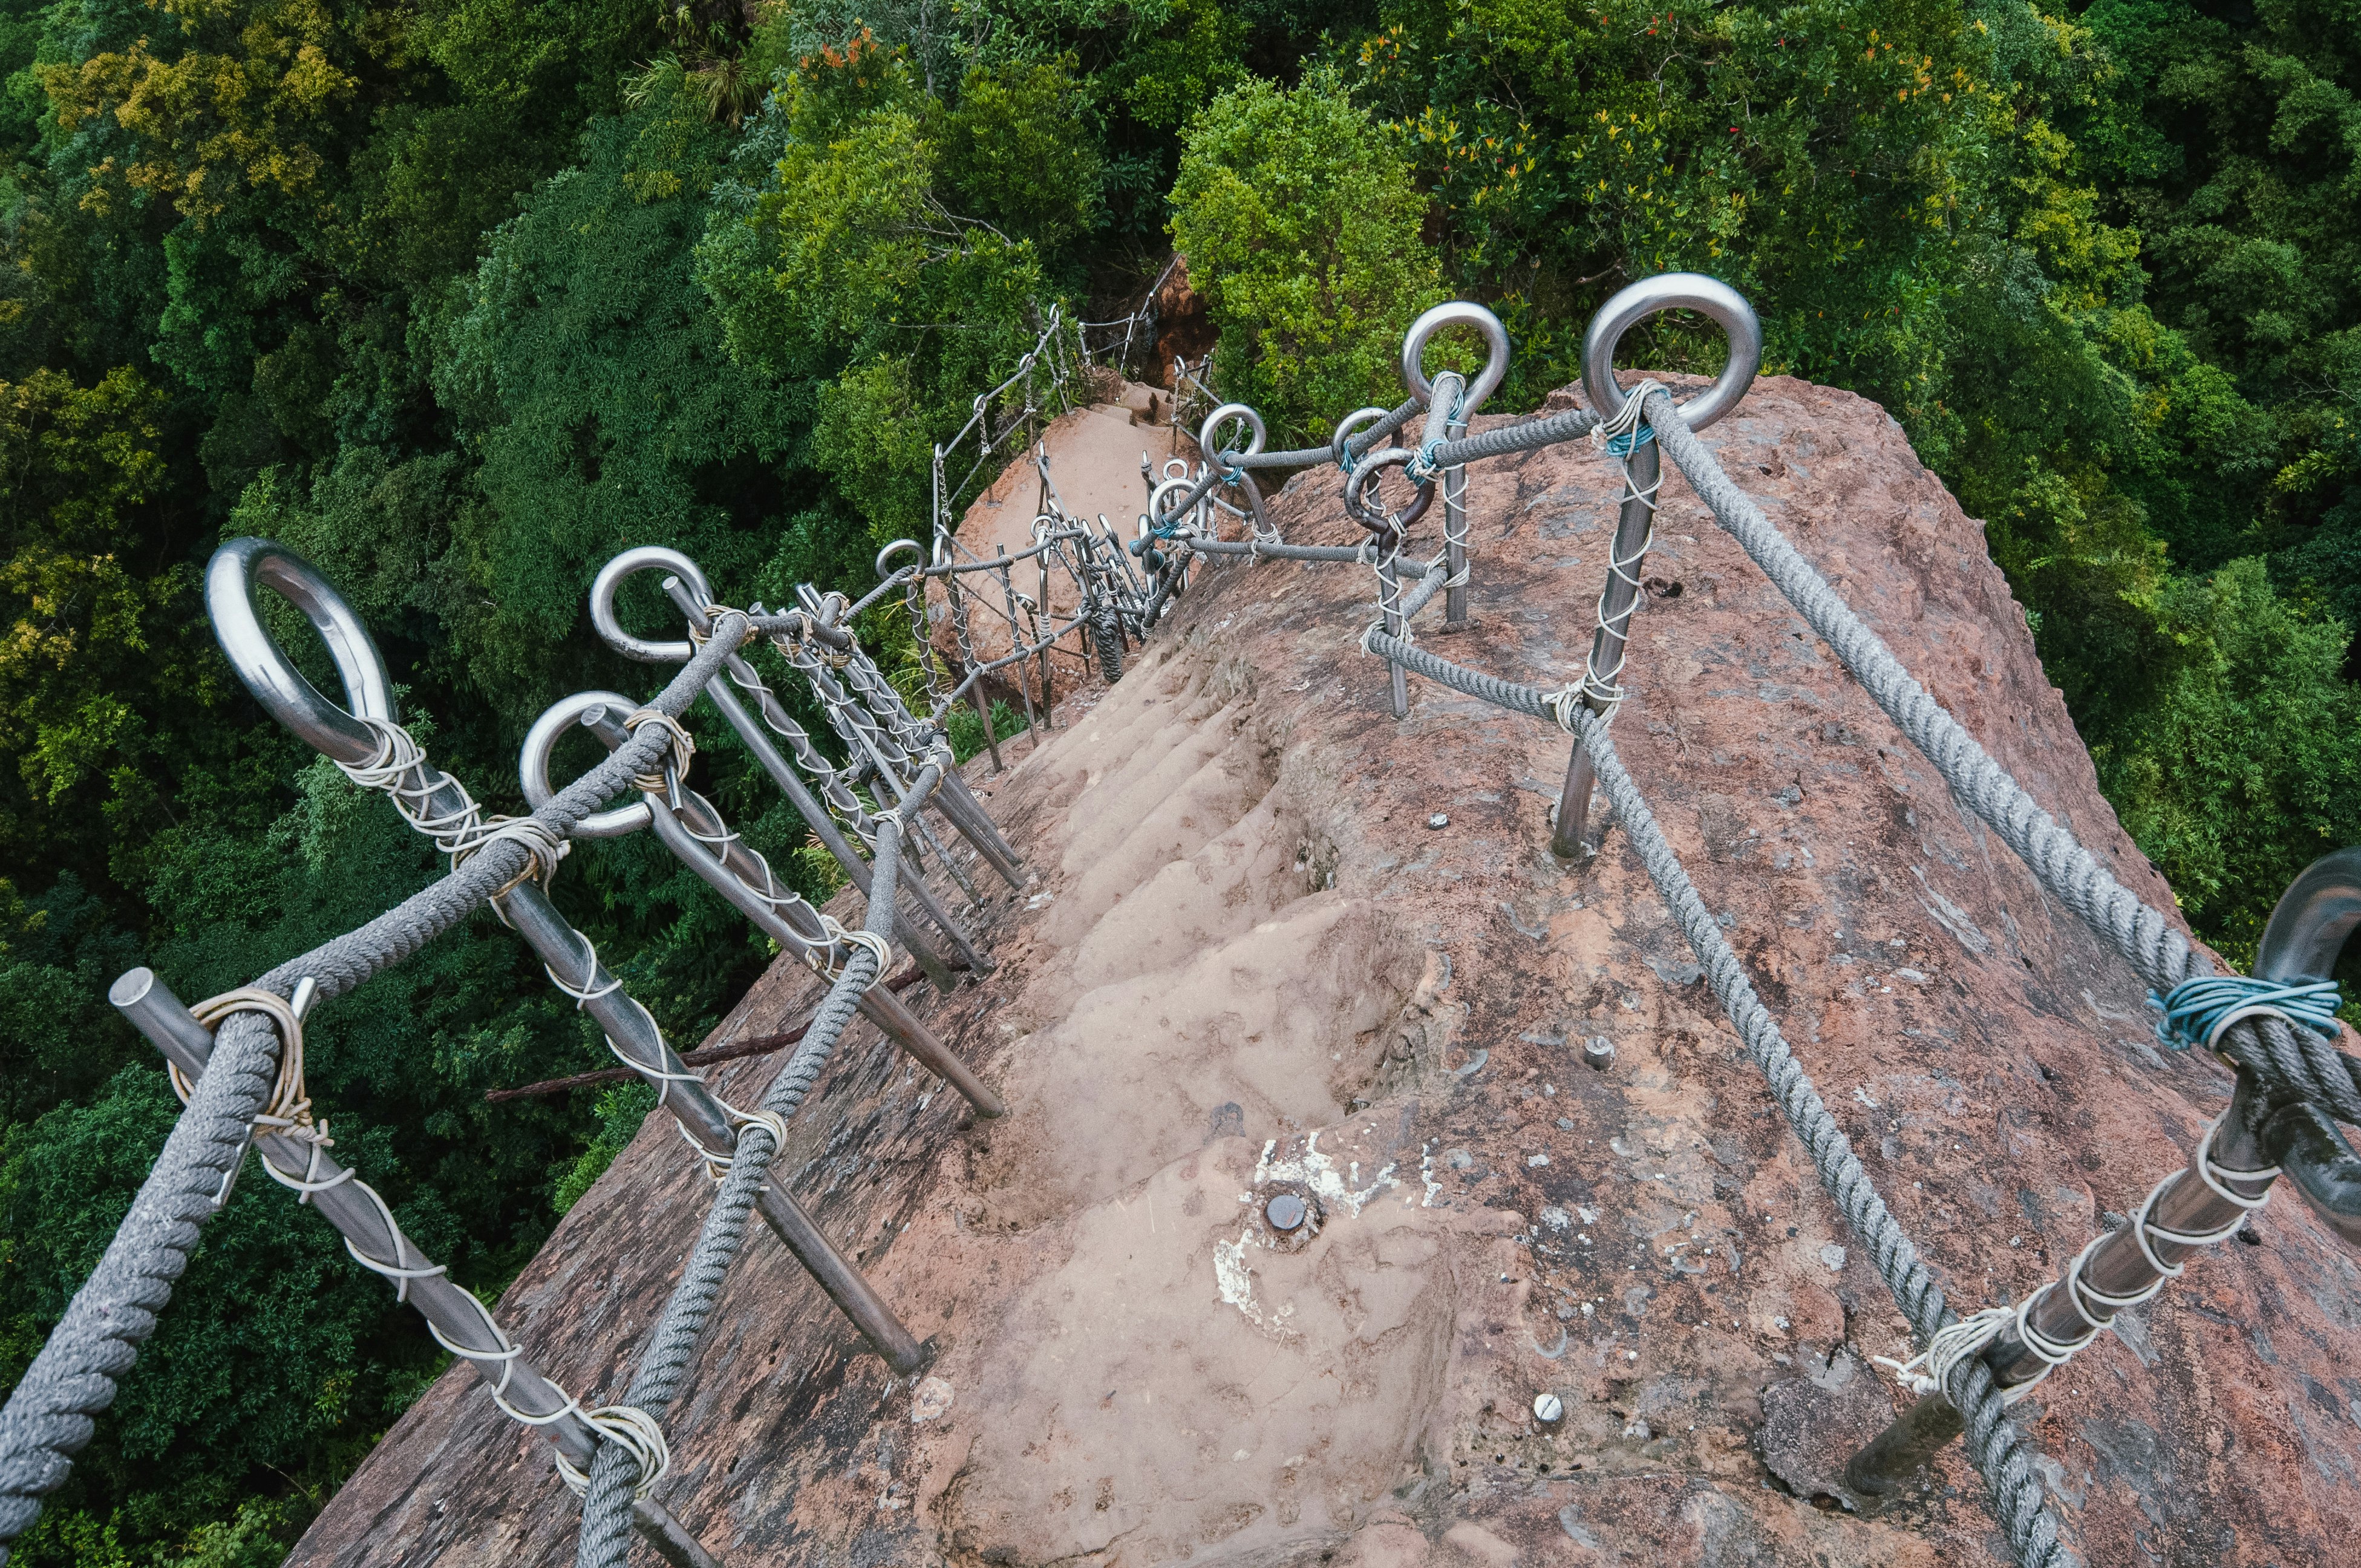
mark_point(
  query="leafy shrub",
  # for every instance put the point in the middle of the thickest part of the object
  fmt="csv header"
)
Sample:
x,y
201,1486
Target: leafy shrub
x,y
1301,223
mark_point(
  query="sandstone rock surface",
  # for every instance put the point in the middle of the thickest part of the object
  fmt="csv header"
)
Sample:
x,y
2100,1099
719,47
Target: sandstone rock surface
x,y
1249,966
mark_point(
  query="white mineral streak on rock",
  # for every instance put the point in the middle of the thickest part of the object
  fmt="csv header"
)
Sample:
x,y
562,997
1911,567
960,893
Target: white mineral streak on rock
x,y
1235,1279
1318,1172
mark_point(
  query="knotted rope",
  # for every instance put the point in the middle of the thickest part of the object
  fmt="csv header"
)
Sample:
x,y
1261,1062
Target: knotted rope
x,y
288,1110
2200,1009
49,1416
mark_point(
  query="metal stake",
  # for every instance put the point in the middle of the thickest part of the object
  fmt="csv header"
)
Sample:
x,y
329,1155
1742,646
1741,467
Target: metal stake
x,y
455,1313
1627,555
1023,682
699,839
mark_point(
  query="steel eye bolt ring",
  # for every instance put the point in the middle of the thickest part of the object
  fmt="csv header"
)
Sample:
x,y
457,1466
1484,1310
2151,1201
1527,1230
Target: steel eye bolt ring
x,y
1256,434
1456,313
244,565
1674,292
562,717
644,558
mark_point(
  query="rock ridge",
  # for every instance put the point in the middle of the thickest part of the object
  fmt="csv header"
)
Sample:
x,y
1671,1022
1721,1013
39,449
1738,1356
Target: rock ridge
x,y
1249,967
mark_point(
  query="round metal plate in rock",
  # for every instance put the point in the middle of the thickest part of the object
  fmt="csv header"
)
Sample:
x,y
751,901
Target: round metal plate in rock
x,y
1287,1214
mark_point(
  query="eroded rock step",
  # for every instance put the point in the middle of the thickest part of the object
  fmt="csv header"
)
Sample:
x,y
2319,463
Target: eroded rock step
x,y
1249,969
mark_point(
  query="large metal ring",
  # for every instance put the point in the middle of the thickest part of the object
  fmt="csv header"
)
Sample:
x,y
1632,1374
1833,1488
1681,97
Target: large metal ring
x,y
1456,313
1348,428
558,720
237,569
644,558
2307,930
2314,917
894,549
1215,421
1674,292
1156,499
1379,522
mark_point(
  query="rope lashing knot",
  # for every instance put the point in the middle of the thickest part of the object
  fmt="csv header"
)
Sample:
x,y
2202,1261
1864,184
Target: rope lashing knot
x,y
1621,436
1564,703
1929,1371
288,1112
716,1165
543,843
635,1431
681,748
1423,469
835,935
712,614
2199,1009
1626,423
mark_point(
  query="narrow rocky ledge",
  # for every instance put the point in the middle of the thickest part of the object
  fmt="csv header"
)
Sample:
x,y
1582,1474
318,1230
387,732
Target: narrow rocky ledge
x,y
1279,941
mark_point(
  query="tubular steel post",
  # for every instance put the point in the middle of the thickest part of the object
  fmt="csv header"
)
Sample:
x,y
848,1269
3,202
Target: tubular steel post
x,y
1023,682
954,802
1629,306
776,716
858,728
2301,944
856,869
572,961
691,595
2119,1268
1617,604
891,724
1454,400
1455,533
456,1315
1399,691
575,966
700,839
967,649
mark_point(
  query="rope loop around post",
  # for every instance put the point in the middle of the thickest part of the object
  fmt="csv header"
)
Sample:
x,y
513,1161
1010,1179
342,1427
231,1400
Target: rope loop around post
x,y
2200,1009
681,747
635,1431
288,1112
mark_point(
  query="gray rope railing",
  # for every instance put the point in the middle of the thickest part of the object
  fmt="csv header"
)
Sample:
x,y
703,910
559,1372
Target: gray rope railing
x,y
616,1474
1524,435
1999,1449
2309,1063
49,1415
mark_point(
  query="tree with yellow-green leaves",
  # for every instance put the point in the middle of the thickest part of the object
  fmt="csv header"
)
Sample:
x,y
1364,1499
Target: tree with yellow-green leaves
x,y
462,296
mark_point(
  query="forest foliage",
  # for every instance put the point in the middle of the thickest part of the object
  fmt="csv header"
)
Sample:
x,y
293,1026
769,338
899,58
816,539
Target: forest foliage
x,y
459,298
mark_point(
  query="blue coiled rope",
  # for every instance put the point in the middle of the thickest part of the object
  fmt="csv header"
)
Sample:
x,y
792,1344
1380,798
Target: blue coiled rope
x,y
1422,468
1630,441
2193,1009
